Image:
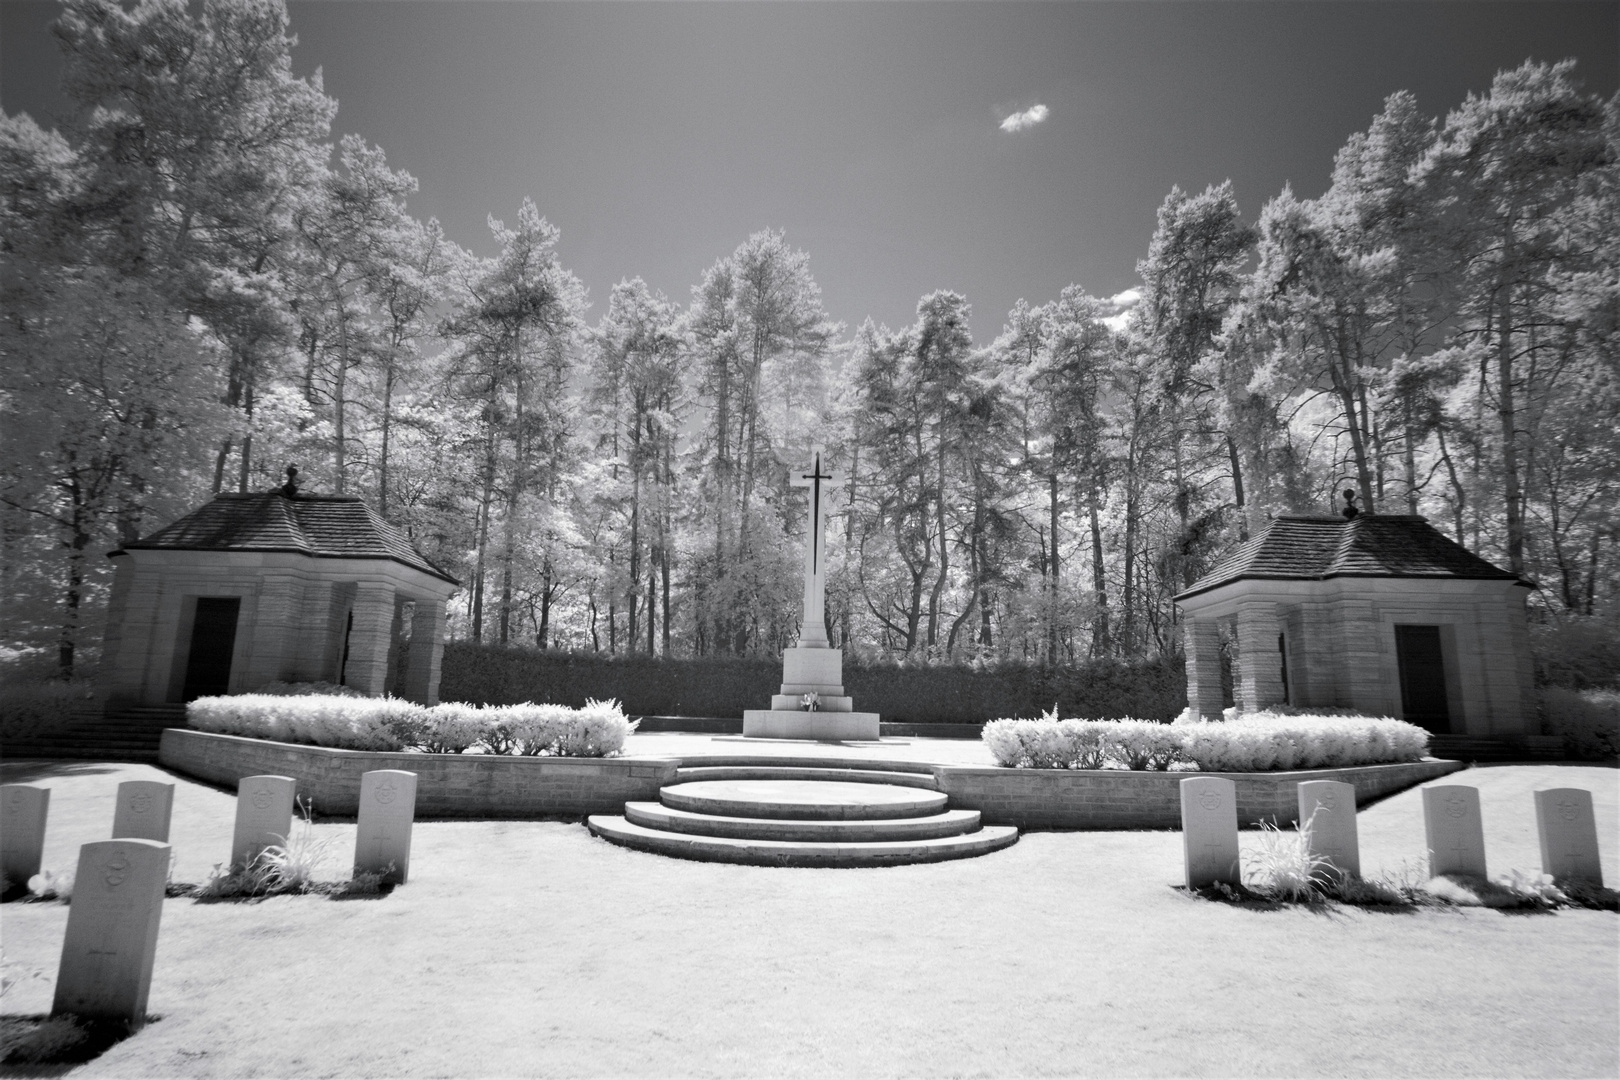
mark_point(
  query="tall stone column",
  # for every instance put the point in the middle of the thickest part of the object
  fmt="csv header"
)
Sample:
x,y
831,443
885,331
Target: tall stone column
x,y
426,653
1259,679
1367,685
367,670
1202,643
276,631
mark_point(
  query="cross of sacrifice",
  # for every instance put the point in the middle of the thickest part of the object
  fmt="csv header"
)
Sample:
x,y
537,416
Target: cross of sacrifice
x,y
818,478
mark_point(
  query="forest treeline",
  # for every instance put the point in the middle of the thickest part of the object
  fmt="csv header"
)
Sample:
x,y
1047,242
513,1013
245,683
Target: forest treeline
x,y
201,287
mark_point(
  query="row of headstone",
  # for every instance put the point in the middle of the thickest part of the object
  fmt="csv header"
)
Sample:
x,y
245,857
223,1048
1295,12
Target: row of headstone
x,y
142,812
110,943
382,843
1565,826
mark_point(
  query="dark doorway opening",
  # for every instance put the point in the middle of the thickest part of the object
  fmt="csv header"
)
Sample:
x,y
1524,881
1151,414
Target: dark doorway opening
x,y
1423,677
213,640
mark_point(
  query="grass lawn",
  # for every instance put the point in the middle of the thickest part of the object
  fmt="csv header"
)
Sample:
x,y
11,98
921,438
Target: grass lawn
x,y
533,949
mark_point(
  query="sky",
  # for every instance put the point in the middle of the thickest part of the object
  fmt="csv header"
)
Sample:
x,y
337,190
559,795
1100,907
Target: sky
x,y
1001,149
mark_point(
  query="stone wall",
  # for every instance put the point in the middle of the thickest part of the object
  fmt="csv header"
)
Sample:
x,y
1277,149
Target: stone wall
x,y
497,786
1120,799
448,785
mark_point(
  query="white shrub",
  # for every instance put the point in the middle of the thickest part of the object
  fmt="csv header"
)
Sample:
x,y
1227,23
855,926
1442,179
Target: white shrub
x,y
452,727
1257,742
349,723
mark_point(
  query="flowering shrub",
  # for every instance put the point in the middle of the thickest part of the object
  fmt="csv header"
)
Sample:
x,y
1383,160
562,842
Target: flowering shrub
x,y
348,723
1255,743
359,723
451,728
301,689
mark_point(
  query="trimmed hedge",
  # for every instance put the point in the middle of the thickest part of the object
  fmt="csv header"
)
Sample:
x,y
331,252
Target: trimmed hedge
x,y
725,686
392,724
1259,742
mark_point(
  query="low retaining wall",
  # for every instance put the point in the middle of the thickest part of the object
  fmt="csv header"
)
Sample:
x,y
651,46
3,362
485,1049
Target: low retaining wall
x,y
447,786
1121,799
499,786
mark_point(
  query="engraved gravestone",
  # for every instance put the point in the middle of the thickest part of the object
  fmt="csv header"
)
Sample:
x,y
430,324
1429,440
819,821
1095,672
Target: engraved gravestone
x,y
143,810
264,806
1209,832
1568,833
112,930
22,832
1451,824
1327,817
387,807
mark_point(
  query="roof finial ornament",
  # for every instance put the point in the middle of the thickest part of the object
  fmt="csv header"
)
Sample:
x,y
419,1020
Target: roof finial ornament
x,y
290,488
1350,508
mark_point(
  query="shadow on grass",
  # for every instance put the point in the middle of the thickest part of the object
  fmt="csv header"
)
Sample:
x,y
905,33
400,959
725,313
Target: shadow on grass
x,y
331,890
45,1045
26,772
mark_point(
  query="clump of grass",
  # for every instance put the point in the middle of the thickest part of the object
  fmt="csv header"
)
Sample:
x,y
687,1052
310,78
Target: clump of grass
x,y
365,883
1283,867
287,867
56,1040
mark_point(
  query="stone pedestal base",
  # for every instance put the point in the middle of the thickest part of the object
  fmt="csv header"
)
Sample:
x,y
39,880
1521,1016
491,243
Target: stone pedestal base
x,y
798,724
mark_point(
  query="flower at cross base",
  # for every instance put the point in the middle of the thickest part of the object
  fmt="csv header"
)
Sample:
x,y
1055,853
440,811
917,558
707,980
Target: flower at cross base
x,y
810,702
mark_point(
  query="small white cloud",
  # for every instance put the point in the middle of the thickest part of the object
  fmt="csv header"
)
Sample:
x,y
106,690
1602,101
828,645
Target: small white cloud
x,y
1031,116
1127,299
1116,323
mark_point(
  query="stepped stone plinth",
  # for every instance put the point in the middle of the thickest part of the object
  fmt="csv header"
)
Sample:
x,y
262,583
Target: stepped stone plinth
x,y
811,670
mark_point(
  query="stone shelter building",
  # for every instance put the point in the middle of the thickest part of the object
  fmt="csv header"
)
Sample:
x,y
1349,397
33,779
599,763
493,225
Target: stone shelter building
x,y
1378,613
276,586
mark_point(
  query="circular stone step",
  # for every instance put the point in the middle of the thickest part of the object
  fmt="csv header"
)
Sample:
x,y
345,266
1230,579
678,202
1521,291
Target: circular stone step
x,y
799,853
800,772
818,800
657,816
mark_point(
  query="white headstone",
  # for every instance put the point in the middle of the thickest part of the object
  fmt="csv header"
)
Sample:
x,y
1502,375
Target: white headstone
x,y
22,832
143,810
1568,831
1327,817
1209,831
112,931
387,809
1452,825
264,806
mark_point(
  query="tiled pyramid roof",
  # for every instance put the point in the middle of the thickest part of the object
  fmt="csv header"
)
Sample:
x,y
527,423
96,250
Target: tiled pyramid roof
x,y
1369,545
324,526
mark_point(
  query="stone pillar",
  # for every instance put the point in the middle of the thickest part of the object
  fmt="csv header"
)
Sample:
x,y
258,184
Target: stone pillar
x,y
1315,652
276,631
1364,687
1500,649
426,652
1201,639
311,661
131,636
1259,676
367,670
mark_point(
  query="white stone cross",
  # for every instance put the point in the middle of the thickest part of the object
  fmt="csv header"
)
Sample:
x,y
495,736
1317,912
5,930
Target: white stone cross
x,y
818,478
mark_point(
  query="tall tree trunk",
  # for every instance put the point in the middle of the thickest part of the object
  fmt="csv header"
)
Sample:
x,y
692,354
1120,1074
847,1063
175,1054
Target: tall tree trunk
x,y
1505,411
1100,644
1053,565
390,376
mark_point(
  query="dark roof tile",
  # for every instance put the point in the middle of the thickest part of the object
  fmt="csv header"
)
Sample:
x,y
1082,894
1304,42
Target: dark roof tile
x,y
324,526
1369,545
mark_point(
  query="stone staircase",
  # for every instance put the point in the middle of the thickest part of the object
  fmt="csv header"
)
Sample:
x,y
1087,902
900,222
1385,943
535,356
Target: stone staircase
x,y
129,734
802,812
